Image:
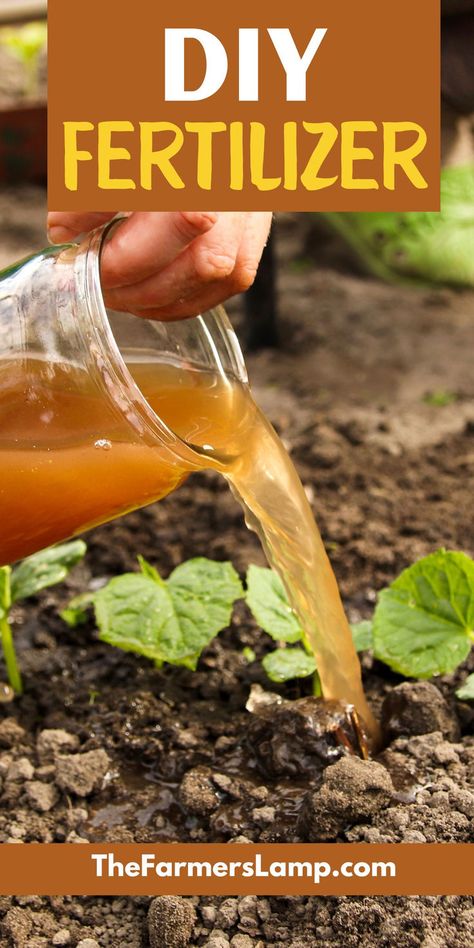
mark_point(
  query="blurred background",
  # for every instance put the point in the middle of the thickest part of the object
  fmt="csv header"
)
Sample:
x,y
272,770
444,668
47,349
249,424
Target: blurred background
x,y
23,77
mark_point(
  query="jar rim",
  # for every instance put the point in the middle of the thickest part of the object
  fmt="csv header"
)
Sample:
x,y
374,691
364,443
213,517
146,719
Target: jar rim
x,y
104,338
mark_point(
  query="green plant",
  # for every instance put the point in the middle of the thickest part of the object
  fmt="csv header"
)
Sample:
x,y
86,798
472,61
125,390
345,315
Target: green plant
x,y
466,691
268,603
440,398
34,573
422,625
165,620
173,620
26,43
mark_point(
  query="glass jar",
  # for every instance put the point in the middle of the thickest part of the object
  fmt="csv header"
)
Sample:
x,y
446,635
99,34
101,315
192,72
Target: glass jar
x,y
101,412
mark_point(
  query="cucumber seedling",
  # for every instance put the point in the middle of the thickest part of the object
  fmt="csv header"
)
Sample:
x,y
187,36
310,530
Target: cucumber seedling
x,y
36,572
423,624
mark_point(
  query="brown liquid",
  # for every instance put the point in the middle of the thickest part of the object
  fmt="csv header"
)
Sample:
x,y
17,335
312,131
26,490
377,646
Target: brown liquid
x,y
70,461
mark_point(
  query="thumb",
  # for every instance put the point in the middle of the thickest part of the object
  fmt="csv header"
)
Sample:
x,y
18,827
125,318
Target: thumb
x,y
65,226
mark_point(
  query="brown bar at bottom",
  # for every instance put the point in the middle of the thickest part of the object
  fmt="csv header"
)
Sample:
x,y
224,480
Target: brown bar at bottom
x,y
237,869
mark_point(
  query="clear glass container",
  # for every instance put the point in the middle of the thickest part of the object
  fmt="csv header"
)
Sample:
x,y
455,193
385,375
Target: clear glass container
x,y
101,412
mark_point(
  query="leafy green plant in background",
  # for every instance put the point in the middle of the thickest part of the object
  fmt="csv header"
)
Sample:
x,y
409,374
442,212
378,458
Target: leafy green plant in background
x,y
36,572
26,43
440,398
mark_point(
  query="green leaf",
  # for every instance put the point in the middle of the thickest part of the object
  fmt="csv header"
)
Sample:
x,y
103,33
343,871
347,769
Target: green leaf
x,y
286,663
133,612
5,591
466,691
148,570
249,654
46,568
268,603
76,612
189,662
170,621
25,42
362,635
203,593
423,623
440,398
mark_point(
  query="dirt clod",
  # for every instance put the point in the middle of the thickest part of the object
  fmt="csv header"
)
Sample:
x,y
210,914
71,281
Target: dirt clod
x,y
11,733
217,940
227,914
171,920
197,792
248,918
54,741
20,770
82,773
242,941
352,790
208,915
418,707
41,796
62,938
18,924
290,737
263,814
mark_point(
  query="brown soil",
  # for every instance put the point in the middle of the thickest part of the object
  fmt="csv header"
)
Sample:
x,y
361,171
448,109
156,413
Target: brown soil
x,y
390,476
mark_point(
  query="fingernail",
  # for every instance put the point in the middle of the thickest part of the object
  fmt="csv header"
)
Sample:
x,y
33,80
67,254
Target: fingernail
x,y
59,235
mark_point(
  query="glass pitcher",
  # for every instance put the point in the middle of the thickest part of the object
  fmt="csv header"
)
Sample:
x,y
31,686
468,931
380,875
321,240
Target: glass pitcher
x,y
101,412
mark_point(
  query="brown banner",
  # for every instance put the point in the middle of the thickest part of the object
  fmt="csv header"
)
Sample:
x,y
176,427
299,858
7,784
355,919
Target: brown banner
x,y
263,106
236,869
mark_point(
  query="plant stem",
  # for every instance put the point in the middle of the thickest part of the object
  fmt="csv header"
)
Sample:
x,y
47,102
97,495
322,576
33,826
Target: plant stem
x,y
14,676
317,690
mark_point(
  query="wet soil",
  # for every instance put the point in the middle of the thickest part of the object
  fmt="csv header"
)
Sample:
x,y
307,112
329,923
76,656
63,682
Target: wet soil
x,y
373,393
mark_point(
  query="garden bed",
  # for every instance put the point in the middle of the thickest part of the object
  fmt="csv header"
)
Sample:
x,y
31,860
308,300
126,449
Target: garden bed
x,y
387,462
23,117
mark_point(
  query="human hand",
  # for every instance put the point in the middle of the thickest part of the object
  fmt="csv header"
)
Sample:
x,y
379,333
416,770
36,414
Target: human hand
x,y
170,264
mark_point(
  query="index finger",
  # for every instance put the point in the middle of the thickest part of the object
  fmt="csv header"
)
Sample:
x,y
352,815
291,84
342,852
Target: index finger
x,y
65,226
148,241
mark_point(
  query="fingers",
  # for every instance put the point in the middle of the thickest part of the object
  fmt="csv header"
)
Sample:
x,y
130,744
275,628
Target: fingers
x,y
148,242
213,267
142,245
171,265
212,257
65,226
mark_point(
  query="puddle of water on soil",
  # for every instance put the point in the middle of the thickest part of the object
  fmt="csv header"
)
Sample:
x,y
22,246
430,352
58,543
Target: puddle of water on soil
x,y
146,804
111,815
145,800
